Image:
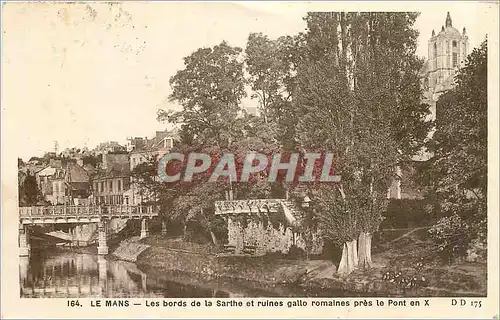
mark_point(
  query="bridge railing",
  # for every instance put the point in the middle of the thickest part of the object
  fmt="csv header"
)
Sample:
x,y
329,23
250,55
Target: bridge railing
x,y
62,210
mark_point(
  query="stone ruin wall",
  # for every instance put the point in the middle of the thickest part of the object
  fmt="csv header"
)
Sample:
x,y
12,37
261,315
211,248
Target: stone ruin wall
x,y
268,239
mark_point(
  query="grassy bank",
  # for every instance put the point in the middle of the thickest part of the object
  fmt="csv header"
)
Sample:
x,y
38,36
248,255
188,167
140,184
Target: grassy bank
x,y
405,264
176,255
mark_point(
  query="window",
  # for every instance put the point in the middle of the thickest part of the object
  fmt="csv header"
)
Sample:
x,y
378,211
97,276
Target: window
x,y
447,47
110,184
435,55
102,186
119,185
454,44
96,186
455,59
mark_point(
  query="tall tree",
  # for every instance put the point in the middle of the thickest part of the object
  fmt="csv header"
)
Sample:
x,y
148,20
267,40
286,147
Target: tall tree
x,y
359,97
271,65
29,193
460,143
209,89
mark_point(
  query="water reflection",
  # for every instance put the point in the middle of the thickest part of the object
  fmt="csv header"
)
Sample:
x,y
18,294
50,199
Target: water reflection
x,y
73,275
80,275
68,275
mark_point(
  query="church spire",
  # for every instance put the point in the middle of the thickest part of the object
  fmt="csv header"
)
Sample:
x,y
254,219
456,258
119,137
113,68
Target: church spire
x,y
448,20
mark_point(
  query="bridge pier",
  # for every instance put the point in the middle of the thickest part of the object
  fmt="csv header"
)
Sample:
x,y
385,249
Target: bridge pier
x,y
144,228
24,246
102,249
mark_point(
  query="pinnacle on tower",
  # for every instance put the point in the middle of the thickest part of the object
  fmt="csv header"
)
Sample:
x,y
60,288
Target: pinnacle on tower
x,y
442,28
448,20
464,31
433,33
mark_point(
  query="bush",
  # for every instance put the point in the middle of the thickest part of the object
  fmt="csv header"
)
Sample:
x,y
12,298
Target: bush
x,y
408,213
453,236
296,253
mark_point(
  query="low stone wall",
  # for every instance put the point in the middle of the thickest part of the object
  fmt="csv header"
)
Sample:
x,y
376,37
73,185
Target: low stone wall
x,y
129,249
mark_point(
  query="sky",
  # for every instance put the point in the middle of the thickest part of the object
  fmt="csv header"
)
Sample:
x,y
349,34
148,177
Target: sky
x,y
81,74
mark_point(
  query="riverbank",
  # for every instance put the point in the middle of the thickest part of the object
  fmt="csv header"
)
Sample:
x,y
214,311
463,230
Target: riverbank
x,y
404,265
174,268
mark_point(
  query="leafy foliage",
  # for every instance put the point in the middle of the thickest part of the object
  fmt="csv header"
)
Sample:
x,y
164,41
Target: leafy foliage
x,y
29,193
452,235
460,142
209,90
359,86
272,66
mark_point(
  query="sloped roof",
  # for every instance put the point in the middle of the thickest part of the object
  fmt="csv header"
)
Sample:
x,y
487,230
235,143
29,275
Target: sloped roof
x,y
89,168
155,144
47,171
78,185
449,31
115,172
76,173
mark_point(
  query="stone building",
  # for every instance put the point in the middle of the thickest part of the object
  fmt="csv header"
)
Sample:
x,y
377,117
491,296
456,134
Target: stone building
x,y
260,226
446,54
63,183
112,180
143,151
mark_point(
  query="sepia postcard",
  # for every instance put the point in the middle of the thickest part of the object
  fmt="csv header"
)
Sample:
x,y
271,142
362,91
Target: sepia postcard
x,y
250,159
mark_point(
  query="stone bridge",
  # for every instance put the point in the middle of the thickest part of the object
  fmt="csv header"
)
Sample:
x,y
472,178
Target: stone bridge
x,y
81,214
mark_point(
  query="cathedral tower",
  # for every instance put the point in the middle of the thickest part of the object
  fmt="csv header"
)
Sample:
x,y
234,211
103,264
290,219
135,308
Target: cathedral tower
x,y
447,52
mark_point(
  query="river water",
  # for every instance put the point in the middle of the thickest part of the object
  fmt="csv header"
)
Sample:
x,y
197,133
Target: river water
x,y
73,275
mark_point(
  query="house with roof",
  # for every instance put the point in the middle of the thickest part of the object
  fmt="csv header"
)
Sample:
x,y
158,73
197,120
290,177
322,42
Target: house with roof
x,y
112,180
143,151
44,178
61,183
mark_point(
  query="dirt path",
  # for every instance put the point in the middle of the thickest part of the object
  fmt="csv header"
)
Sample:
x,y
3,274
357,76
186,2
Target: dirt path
x,y
403,236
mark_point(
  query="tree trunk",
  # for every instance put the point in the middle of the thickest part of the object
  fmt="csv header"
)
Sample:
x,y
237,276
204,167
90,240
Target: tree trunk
x,y
365,248
369,248
346,264
354,247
